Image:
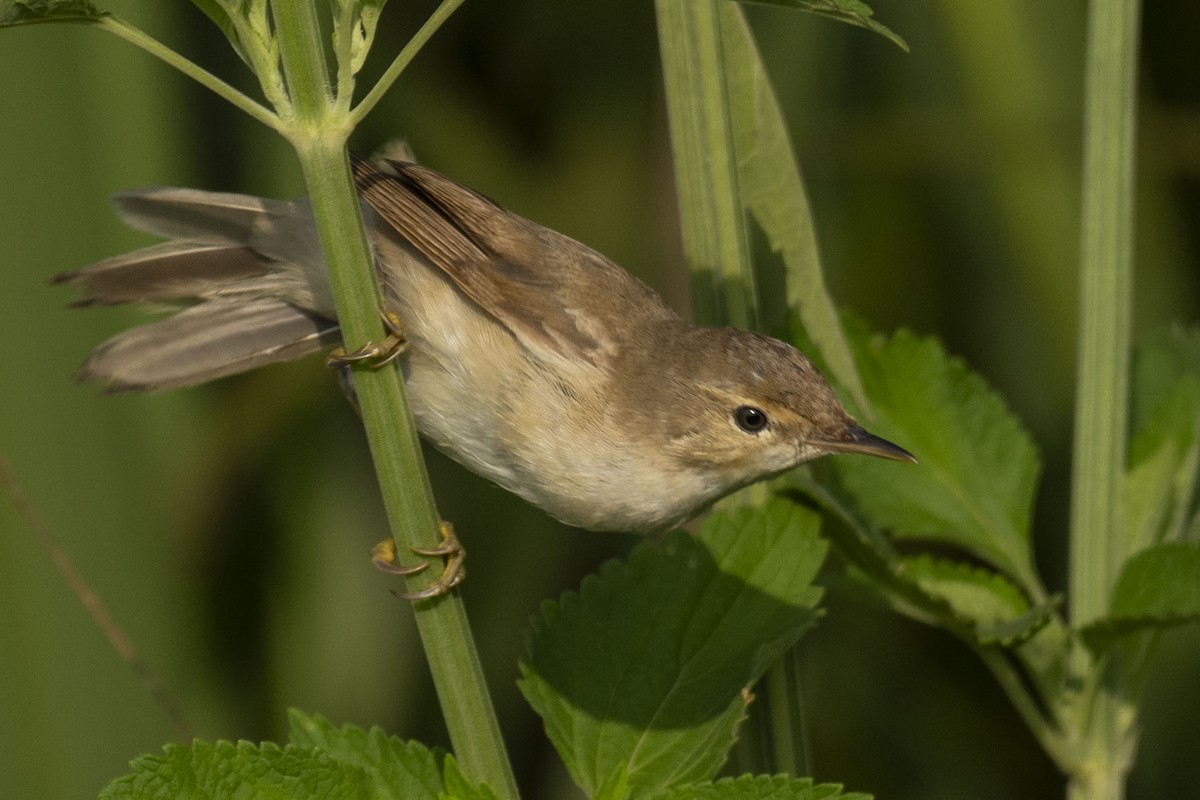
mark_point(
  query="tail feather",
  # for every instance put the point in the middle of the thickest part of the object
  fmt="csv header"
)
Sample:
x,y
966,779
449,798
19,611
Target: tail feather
x,y
171,271
198,216
211,340
247,273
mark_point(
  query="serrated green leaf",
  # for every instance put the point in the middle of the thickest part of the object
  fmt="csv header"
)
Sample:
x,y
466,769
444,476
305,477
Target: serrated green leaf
x,y
974,486
397,769
243,770
459,787
1164,454
29,12
986,602
644,667
1158,588
760,787
772,190
853,12
1164,463
1160,361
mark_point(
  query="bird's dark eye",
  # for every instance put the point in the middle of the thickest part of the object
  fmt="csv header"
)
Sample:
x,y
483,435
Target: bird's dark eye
x,y
750,419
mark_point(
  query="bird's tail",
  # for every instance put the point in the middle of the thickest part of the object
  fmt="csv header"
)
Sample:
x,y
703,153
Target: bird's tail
x,y
245,279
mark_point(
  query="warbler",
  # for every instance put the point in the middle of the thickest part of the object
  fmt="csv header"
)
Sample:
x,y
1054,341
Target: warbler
x,y
528,357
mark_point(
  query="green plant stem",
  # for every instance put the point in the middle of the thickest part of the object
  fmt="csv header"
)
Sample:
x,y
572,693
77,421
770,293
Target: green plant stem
x,y
706,177
439,16
197,73
785,697
1106,255
320,143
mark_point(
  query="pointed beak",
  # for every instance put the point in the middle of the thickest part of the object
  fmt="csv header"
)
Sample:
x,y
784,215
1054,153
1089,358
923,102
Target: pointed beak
x,y
858,440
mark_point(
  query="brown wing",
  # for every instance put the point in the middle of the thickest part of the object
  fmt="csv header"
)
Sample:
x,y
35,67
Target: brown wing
x,y
547,289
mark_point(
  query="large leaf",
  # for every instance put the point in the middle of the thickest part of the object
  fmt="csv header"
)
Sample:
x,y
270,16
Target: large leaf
x,y
640,676
26,12
974,486
1158,588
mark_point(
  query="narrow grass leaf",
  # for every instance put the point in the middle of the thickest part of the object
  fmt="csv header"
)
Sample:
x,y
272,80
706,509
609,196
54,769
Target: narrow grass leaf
x,y
772,190
644,670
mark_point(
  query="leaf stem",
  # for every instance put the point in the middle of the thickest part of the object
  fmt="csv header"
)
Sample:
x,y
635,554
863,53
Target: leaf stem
x,y
135,36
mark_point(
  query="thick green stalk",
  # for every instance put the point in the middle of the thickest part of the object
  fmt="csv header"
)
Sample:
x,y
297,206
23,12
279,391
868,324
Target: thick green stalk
x,y
1106,255
321,145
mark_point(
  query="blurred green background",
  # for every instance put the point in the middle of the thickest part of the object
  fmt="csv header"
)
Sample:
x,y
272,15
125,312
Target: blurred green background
x,y
227,527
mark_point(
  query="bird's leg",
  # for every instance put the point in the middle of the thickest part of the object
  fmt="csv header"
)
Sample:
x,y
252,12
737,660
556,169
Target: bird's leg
x,y
374,354
385,558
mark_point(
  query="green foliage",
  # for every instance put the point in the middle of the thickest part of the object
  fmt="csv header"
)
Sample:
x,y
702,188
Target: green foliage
x,y
760,788
225,769
640,676
320,762
974,487
26,12
1158,588
1164,454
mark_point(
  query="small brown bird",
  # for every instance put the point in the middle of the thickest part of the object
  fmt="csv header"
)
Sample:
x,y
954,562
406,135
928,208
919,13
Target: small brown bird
x,y
529,358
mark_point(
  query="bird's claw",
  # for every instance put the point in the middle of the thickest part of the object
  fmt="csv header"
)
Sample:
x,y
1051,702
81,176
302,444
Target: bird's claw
x,y
385,557
374,354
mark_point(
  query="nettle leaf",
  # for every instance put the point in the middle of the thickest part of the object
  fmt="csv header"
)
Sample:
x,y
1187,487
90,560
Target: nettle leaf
x,y
987,603
1164,454
28,12
396,769
1158,588
1164,463
974,486
1160,361
760,787
853,12
243,770
640,677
